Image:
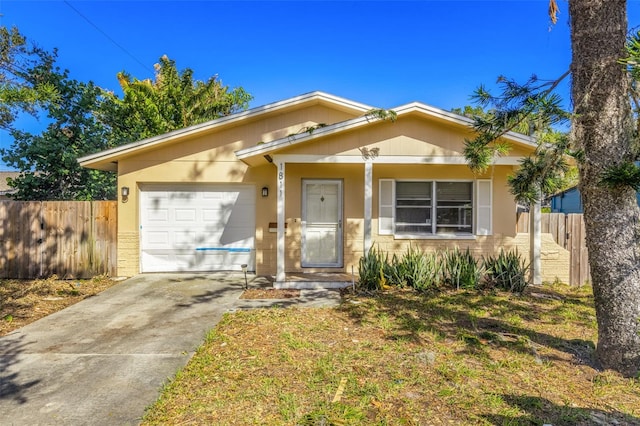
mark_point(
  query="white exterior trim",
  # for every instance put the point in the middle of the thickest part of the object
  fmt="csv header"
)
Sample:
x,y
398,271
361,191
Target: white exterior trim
x,y
368,204
280,274
484,207
266,148
391,159
479,207
434,237
457,119
386,211
415,107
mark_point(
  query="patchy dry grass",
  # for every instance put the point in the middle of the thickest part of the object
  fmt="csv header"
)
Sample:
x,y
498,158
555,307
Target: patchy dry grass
x,y
25,301
270,293
404,358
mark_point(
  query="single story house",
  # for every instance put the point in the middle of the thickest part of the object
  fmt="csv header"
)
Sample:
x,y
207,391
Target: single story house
x,y
569,201
307,185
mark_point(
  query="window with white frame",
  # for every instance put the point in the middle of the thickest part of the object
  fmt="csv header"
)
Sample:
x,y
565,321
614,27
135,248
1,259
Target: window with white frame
x,y
414,207
434,208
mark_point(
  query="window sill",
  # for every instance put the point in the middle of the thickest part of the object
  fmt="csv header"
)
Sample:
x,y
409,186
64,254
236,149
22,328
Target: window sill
x,y
434,237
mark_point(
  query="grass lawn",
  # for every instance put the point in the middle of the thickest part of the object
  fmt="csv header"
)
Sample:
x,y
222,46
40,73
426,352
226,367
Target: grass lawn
x,y
402,358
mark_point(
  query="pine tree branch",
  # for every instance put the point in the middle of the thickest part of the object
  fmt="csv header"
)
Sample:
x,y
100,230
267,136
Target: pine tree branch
x,y
523,117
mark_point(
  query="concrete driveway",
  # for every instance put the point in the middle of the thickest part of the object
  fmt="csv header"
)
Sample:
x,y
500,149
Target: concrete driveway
x,y
103,360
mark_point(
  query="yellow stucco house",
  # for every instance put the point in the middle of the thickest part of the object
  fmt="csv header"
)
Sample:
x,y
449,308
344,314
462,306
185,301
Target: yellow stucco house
x,y
307,185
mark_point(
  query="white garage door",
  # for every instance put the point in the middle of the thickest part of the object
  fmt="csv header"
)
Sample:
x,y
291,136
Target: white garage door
x,y
197,228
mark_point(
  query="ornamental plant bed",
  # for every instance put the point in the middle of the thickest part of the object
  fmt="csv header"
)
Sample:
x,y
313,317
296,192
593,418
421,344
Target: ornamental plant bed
x,y
25,301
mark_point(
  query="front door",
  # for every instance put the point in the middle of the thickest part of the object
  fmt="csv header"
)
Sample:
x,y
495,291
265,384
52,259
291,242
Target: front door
x,y
321,223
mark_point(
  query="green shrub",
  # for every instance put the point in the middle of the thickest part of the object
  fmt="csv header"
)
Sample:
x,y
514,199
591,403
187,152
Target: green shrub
x,y
419,270
461,269
507,271
393,272
456,268
371,270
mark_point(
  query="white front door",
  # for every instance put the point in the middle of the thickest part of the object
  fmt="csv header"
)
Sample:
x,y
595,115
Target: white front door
x,y
322,223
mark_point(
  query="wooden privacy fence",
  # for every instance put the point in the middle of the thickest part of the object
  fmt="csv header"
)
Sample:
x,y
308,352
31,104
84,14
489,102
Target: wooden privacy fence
x,y
568,230
71,239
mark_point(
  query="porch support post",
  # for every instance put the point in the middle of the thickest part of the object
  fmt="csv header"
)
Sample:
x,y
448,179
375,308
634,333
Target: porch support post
x,y
280,275
368,203
535,241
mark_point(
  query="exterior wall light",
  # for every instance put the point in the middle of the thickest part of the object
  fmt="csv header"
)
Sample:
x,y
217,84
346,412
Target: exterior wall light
x,y
265,191
124,191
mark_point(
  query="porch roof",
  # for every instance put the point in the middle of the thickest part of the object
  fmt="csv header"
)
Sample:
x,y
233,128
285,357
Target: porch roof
x,y
263,152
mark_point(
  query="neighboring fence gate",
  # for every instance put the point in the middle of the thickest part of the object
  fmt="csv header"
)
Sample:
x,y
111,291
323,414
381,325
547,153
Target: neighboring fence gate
x,y
569,232
71,239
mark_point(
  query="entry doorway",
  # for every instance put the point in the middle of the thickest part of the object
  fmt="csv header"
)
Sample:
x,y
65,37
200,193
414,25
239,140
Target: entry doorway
x,y
322,242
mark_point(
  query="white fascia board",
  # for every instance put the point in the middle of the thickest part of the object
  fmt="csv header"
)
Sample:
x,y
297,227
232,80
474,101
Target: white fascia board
x,y
335,100
391,159
149,142
266,148
433,111
521,139
155,140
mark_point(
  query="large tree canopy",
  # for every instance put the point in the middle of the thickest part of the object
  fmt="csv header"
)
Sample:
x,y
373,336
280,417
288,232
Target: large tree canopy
x,y
85,119
48,161
21,90
173,100
603,142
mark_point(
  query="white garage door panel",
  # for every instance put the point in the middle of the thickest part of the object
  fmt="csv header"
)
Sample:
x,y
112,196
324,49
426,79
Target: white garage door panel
x,y
157,215
202,262
186,215
157,238
197,228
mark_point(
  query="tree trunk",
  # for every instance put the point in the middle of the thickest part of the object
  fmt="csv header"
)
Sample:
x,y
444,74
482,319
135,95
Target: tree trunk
x,y
603,129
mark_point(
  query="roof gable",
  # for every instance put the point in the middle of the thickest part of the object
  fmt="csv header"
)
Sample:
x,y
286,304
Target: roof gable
x,y
426,112
361,118
108,159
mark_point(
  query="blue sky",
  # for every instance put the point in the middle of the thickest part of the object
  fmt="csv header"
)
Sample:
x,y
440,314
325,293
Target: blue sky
x,y
382,53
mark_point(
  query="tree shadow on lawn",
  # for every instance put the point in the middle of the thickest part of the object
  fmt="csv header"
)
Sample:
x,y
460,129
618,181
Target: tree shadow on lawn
x,y
452,316
11,346
213,296
542,411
